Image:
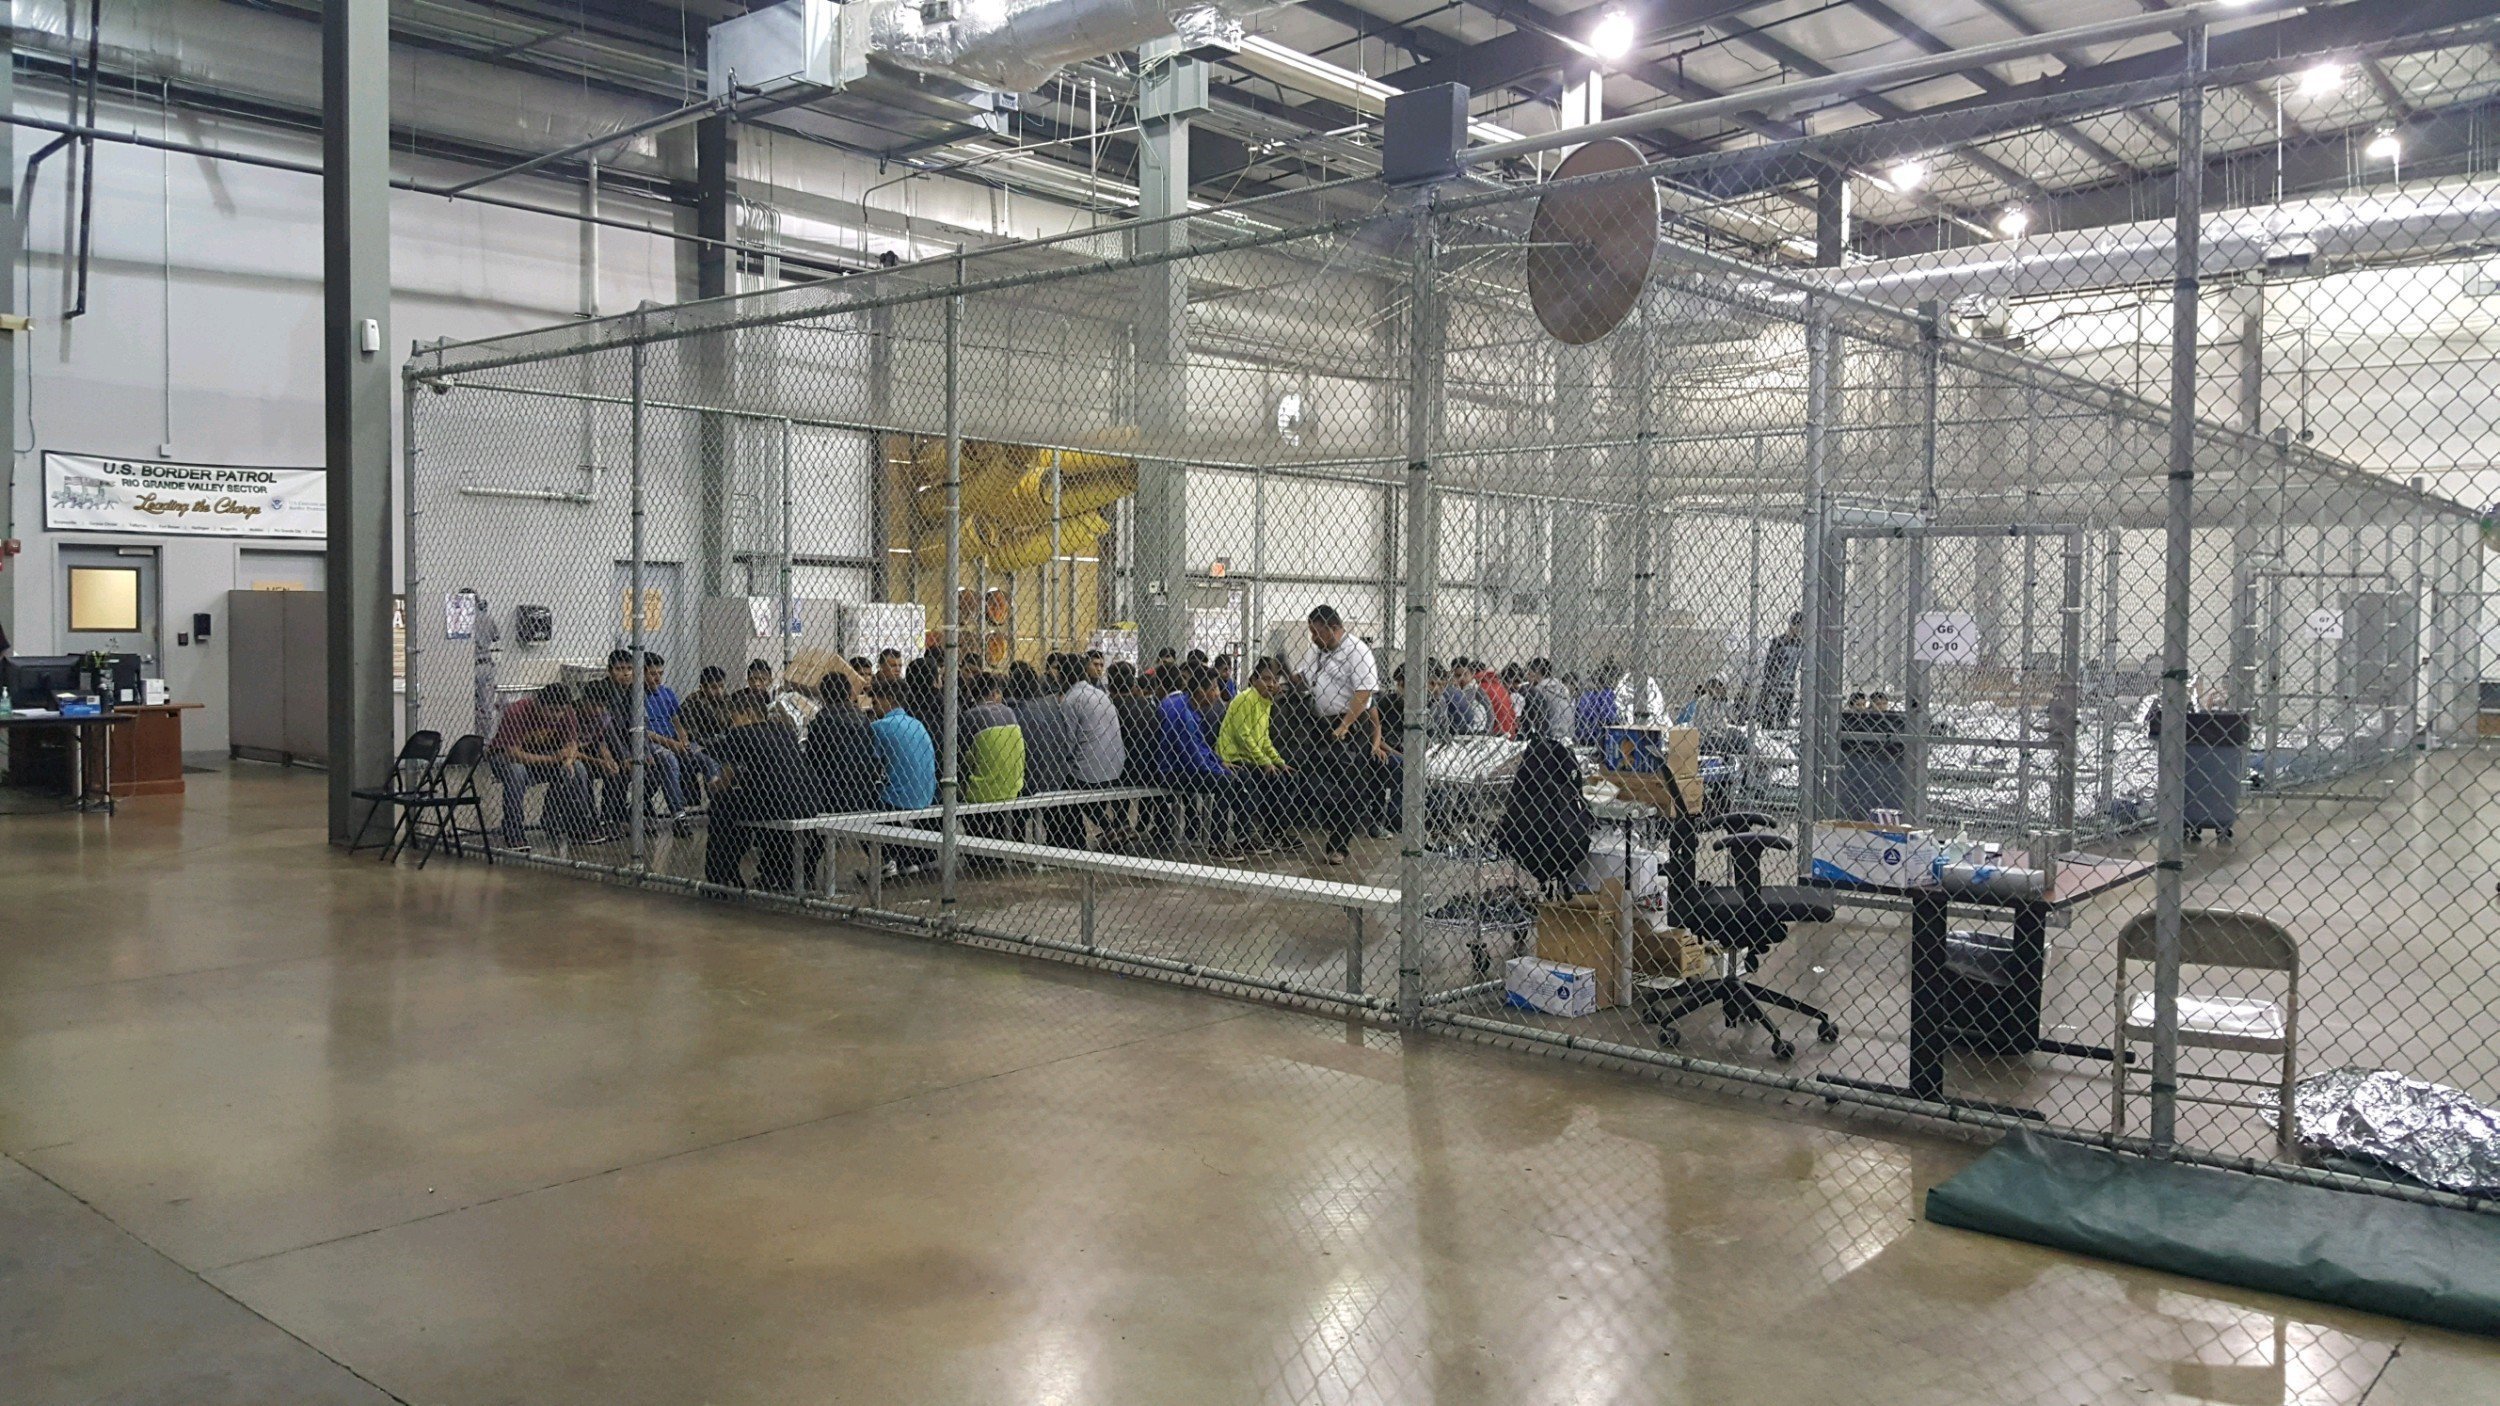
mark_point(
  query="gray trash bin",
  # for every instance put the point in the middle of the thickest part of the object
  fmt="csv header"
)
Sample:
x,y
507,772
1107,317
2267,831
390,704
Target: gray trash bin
x,y
1874,764
2217,771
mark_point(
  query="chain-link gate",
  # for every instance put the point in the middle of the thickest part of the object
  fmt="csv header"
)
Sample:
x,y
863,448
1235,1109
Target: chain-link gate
x,y
1853,679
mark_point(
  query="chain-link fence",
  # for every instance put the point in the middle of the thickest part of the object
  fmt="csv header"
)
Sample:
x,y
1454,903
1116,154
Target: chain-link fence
x,y
1640,613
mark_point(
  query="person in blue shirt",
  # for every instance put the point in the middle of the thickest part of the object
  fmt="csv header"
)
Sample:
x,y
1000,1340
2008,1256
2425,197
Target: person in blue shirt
x,y
903,745
673,753
1189,760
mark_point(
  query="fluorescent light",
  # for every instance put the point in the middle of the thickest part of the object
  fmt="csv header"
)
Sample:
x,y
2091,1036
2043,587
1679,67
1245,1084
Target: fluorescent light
x,y
1907,175
1613,35
2013,222
2319,82
2386,146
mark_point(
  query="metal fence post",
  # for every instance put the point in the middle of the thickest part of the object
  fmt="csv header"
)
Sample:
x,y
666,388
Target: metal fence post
x,y
633,609
1423,571
788,606
2171,806
412,701
1816,664
951,692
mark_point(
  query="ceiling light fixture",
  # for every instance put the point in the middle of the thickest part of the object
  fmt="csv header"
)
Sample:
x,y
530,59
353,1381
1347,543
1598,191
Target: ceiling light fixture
x,y
1907,175
2014,222
2386,146
2322,81
1612,36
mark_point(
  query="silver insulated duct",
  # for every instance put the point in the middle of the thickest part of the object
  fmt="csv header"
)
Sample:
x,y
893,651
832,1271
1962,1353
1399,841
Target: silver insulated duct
x,y
1011,46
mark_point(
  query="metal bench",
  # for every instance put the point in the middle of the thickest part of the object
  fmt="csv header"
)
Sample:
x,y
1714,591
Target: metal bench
x,y
1357,901
1047,800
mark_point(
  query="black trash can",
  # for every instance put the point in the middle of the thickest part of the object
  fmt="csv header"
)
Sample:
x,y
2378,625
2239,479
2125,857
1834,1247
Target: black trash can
x,y
1989,999
1874,770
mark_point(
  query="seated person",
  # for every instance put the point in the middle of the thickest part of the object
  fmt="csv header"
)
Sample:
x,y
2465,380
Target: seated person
x,y
1545,822
673,753
1189,760
763,777
607,757
706,714
843,751
995,759
759,685
904,750
1712,714
539,740
843,755
1246,743
1597,708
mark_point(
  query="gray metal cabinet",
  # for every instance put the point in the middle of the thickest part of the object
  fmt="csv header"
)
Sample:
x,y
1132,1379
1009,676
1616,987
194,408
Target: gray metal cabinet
x,y
277,675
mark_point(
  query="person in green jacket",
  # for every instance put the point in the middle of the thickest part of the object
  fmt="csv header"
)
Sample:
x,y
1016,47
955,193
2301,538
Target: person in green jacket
x,y
994,765
1244,742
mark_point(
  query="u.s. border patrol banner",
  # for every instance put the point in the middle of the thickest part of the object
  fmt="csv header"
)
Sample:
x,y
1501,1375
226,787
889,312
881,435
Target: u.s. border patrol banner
x,y
92,493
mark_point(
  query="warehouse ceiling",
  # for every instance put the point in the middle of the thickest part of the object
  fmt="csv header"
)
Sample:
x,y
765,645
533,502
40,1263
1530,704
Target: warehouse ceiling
x,y
2311,87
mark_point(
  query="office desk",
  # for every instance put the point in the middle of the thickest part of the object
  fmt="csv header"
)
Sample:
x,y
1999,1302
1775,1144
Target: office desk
x,y
85,780
1933,1024
148,760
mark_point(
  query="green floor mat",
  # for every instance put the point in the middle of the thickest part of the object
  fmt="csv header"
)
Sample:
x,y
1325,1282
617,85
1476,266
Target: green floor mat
x,y
2398,1258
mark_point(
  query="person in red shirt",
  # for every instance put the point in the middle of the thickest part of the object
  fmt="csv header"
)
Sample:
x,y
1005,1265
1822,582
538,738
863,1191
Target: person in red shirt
x,y
1501,713
539,739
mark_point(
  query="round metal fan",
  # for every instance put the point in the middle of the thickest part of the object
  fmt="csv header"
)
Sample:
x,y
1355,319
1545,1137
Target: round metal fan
x,y
1589,249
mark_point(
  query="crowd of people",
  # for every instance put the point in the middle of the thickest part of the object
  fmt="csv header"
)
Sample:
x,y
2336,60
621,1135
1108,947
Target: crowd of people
x,y
1265,759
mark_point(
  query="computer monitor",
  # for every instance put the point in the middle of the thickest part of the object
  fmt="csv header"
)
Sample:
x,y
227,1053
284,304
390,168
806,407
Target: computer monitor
x,y
34,680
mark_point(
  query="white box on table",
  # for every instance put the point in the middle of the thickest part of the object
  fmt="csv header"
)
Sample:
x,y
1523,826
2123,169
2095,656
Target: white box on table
x,y
1873,856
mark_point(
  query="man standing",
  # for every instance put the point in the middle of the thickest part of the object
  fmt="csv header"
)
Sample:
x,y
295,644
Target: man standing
x,y
1776,695
1343,678
890,664
1095,667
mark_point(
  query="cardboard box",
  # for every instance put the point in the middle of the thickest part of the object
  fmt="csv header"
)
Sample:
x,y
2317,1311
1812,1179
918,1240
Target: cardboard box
x,y
1642,760
1531,983
1582,932
1873,856
1681,954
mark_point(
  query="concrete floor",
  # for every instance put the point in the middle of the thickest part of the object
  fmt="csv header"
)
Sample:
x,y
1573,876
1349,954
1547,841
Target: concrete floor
x,y
281,1126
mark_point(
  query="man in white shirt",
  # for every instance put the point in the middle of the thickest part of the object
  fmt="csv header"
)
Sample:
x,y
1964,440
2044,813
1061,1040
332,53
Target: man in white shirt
x,y
1343,678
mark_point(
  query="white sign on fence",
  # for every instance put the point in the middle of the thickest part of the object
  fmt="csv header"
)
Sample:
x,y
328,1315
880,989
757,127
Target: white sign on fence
x,y
2326,623
1947,637
92,493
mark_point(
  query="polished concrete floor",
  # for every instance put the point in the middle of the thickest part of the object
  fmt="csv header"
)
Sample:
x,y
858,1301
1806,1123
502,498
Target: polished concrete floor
x,y
281,1126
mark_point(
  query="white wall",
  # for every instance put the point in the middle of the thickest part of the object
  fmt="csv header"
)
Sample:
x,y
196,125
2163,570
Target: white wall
x,y
201,339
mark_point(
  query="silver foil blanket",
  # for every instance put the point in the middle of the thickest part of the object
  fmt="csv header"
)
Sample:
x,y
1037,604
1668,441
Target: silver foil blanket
x,y
2429,1132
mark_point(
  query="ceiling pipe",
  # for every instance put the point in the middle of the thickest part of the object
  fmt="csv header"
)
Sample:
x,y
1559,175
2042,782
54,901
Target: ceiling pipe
x,y
1790,95
2302,234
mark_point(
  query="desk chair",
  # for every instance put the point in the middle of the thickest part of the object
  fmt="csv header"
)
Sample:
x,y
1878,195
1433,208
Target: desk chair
x,y
2210,938
454,791
412,778
1743,919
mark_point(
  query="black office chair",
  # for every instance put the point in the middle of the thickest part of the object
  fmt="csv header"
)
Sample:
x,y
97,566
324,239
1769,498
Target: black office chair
x,y
434,818
412,778
1743,919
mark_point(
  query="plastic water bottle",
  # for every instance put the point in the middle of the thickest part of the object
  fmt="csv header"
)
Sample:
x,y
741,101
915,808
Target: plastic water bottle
x,y
6,707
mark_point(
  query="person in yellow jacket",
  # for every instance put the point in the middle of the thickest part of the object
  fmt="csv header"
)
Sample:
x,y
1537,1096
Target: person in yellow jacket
x,y
1244,743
